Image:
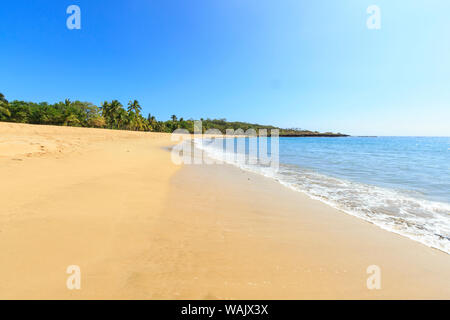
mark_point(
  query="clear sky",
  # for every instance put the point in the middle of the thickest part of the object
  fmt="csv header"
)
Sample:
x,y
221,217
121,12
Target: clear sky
x,y
310,64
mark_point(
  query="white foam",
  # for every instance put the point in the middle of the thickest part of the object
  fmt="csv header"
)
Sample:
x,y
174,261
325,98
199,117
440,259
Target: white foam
x,y
427,222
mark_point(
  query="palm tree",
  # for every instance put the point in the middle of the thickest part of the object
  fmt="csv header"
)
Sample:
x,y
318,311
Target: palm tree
x,y
174,118
134,113
2,98
122,118
135,107
4,110
112,113
151,122
105,108
4,106
117,113
72,121
106,113
151,118
115,107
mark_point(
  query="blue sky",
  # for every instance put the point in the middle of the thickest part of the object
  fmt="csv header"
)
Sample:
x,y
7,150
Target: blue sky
x,y
292,63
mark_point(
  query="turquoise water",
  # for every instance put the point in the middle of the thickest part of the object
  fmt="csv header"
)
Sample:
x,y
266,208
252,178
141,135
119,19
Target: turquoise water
x,y
417,166
401,184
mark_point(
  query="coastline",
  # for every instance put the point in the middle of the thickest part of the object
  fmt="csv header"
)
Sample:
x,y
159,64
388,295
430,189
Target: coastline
x,y
140,227
410,206
247,237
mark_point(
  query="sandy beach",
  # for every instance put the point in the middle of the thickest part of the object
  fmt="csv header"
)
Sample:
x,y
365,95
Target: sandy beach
x,y
141,227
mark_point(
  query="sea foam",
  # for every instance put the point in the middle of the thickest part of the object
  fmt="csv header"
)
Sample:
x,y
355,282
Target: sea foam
x,y
425,221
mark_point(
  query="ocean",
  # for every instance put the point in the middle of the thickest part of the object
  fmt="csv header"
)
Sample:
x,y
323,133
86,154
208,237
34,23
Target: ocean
x,y
401,184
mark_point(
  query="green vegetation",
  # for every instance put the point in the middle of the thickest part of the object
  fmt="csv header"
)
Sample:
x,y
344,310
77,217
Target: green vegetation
x,y
112,115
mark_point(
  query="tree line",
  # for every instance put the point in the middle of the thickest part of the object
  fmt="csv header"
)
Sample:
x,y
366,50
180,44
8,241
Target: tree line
x,y
113,115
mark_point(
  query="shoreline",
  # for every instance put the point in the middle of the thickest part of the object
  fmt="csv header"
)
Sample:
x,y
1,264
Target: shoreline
x,y
141,227
400,226
350,213
289,246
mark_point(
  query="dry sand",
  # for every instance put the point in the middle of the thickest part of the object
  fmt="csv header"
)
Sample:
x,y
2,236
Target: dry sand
x,y
140,227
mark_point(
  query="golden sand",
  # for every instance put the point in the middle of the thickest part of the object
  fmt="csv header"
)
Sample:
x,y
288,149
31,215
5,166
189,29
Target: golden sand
x,y
140,227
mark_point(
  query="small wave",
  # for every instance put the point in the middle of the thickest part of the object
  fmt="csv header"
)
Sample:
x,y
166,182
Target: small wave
x,y
427,222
